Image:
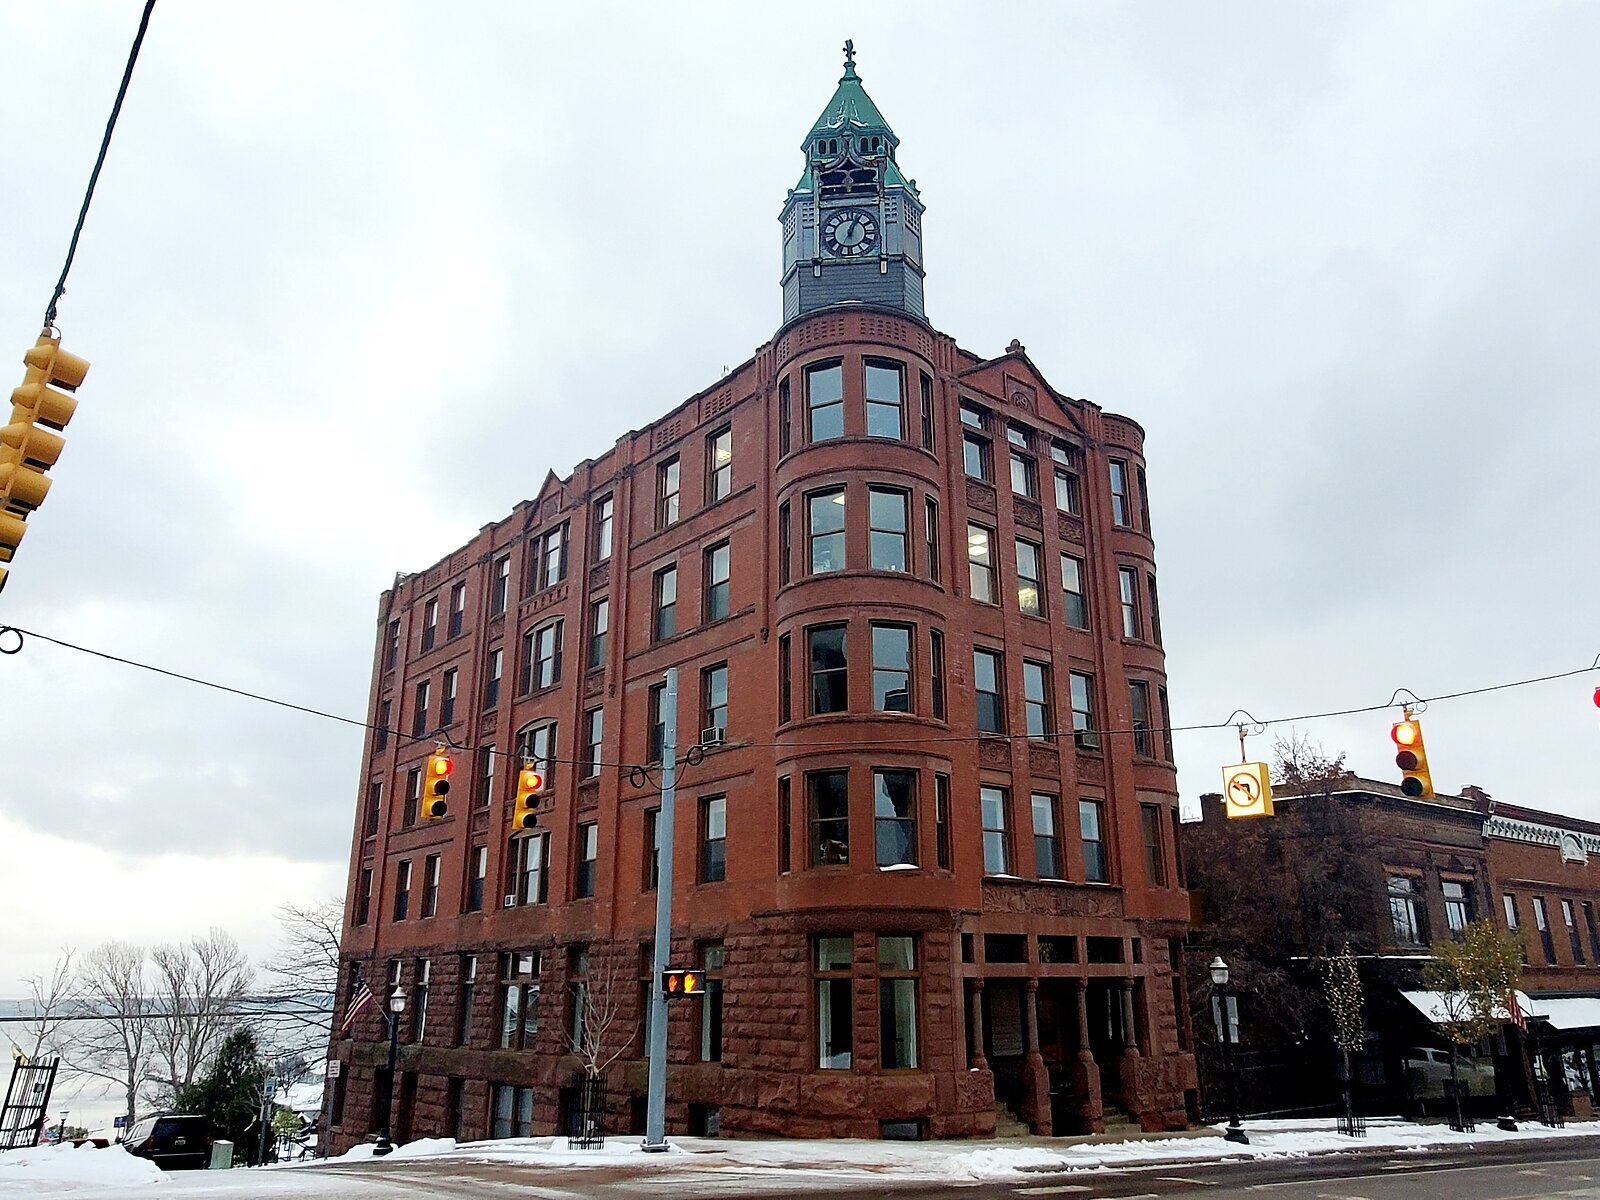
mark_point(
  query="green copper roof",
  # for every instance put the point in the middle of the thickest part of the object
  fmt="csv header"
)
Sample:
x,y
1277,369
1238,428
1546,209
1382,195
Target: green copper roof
x,y
850,105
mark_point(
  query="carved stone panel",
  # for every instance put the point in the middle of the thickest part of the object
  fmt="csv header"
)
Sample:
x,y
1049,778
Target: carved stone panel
x,y
600,576
1027,513
594,682
1091,770
980,495
1043,760
1050,901
994,752
588,795
1070,528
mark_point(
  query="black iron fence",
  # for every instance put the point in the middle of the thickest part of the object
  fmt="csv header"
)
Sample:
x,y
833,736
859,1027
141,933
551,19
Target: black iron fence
x,y
587,1114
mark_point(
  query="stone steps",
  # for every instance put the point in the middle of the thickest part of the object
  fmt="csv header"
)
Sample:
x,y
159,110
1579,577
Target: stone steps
x,y
1008,1125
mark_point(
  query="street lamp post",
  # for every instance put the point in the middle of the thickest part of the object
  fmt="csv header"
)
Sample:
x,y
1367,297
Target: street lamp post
x,y
1219,985
397,1005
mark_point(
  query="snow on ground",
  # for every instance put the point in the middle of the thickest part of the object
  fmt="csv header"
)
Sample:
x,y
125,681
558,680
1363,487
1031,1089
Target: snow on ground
x,y
63,1170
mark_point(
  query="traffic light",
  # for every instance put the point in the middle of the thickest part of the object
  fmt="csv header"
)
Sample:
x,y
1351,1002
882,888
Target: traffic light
x,y
530,785
27,451
1412,758
436,789
678,982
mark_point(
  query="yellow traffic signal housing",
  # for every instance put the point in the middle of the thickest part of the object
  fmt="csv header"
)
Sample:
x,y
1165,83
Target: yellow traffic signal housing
x,y
530,786
1412,757
678,982
436,787
28,447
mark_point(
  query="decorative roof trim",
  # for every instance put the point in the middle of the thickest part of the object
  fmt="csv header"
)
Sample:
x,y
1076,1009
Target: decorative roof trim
x,y
1575,847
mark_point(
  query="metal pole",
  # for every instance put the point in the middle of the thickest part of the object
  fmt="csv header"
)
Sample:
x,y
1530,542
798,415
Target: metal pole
x,y
386,1097
655,1121
1235,1131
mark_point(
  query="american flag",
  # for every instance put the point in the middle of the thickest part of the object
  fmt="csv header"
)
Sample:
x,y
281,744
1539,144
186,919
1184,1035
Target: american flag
x,y
1517,1015
359,999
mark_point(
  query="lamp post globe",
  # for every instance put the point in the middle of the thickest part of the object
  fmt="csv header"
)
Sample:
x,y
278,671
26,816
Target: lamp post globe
x,y
397,1005
1219,972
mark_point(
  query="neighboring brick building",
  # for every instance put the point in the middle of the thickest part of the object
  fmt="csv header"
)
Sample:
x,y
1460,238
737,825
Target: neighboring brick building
x,y
928,857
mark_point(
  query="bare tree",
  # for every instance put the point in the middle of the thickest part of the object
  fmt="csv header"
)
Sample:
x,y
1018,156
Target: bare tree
x,y
116,1047
304,973
597,1024
50,1000
198,987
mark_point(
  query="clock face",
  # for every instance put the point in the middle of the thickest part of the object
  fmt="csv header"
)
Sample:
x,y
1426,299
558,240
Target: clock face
x,y
849,233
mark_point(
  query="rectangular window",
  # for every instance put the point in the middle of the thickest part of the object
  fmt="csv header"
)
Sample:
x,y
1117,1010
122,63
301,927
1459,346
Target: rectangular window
x,y
1155,858
975,457
1019,436
1030,590
1066,473
887,520
996,850
512,1110
1037,702
714,698
829,669
897,1002
785,826
402,889
430,886
419,998
835,1011
458,609
1092,839
713,839
374,805
1570,916
469,982
785,681
1166,723
988,683
599,625
532,867
884,400
1073,601
1541,922
419,713
1144,500
364,898
491,677
478,874
430,624
658,721
894,807
712,957
941,821
825,535
549,563
719,560
1155,609
1594,929
719,465
447,698
413,797
500,590
1119,492
974,417
980,563
667,484
927,413
1046,845
1024,476
783,416
380,736
825,402
1404,912
594,730
1139,710
664,622
1128,583
1083,724
603,510
588,856
652,848
930,537
891,668
1457,905
519,1003
828,796
1511,912
936,671
784,551
542,648
392,654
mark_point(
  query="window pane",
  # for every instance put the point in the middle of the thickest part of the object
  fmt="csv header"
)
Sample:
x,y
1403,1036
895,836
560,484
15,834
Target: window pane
x,y
980,564
883,401
827,531
829,669
825,399
830,817
886,514
895,813
975,456
992,801
891,668
897,1016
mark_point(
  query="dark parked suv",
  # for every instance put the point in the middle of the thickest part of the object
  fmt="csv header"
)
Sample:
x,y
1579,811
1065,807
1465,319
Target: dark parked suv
x,y
173,1141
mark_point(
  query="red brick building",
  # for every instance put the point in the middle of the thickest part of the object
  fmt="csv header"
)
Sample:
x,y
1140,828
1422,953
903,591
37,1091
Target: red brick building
x,y
928,855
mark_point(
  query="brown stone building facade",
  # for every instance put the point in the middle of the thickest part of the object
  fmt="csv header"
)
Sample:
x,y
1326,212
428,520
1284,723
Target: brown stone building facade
x,y
926,850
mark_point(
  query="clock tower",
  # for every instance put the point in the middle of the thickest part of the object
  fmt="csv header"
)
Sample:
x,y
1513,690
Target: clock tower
x,y
852,226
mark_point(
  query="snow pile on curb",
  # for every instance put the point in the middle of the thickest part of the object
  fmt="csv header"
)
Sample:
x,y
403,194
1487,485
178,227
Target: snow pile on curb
x,y
62,1168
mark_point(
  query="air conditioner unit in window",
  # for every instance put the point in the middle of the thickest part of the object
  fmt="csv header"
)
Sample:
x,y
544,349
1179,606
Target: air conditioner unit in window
x,y
716,735
511,900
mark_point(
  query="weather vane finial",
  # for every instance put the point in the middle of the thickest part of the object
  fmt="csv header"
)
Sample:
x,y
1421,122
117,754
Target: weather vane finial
x,y
849,58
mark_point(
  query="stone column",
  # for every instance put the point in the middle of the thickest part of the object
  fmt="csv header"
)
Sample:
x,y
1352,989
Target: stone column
x,y
1133,1098
1086,1075
1035,1075
975,1005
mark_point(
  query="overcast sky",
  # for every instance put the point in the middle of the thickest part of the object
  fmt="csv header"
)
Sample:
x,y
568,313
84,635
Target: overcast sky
x,y
357,276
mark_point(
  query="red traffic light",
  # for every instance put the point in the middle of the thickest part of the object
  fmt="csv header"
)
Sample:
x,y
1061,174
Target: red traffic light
x,y
440,766
434,804
531,781
1405,733
1597,697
